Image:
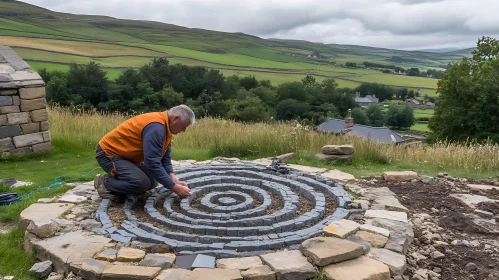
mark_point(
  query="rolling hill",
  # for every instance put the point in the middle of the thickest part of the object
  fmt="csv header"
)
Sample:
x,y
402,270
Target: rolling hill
x,y
52,40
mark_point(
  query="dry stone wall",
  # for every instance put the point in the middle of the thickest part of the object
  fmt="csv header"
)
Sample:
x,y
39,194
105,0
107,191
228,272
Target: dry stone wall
x,y
24,126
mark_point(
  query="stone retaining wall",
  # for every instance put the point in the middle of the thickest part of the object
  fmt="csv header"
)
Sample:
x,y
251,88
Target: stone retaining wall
x,y
24,126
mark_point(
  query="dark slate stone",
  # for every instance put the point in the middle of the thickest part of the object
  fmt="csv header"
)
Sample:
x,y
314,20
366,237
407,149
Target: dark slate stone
x,y
10,131
185,261
5,101
120,238
4,78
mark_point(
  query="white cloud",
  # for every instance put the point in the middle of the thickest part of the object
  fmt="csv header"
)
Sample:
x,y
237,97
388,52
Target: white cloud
x,y
381,23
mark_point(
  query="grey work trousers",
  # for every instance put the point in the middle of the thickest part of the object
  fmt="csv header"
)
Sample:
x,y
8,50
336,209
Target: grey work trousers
x,y
125,176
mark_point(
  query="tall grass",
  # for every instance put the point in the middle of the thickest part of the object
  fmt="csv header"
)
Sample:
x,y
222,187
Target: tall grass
x,y
215,137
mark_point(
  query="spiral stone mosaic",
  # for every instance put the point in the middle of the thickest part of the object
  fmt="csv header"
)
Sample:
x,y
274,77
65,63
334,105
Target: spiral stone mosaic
x,y
233,210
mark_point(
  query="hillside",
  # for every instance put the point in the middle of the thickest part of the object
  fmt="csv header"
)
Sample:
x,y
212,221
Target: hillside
x,y
52,40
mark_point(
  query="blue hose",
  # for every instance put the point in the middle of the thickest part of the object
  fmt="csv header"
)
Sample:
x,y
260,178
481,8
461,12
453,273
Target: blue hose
x,y
57,181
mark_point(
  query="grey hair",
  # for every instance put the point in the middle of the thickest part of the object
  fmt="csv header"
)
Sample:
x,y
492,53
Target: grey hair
x,y
183,112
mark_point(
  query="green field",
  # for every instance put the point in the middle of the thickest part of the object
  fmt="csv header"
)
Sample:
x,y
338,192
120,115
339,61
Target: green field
x,y
46,36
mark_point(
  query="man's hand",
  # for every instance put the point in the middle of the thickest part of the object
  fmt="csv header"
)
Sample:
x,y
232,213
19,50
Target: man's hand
x,y
182,183
181,190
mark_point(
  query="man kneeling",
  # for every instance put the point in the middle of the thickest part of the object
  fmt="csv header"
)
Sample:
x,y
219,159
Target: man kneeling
x,y
136,154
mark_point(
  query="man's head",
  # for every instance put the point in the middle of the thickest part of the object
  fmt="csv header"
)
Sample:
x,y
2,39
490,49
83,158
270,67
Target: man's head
x,y
179,118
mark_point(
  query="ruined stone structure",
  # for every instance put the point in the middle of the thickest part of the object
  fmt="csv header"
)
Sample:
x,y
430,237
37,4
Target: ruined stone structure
x,y
24,127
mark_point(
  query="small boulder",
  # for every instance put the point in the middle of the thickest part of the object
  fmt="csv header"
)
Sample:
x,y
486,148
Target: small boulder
x,y
41,270
341,228
261,272
399,176
43,228
158,260
337,150
130,255
327,250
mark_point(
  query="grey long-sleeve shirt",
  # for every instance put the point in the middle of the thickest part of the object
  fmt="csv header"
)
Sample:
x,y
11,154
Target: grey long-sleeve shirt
x,y
153,138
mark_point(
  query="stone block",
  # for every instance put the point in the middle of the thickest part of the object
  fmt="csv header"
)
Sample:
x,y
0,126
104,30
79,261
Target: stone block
x,y
39,115
16,101
42,228
4,78
395,227
4,92
129,272
25,75
341,228
21,152
290,265
29,241
375,240
9,109
375,229
28,140
398,243
44,126
17,118
261,272
172,274
158,260
10,131
6,101
30,128
396,262
337,175
337,150
334,158
32,93
327,250
3,120
46,136
39,211
239,263
41,270
214,273
89,269
361,268
130,255
399,176
68,248
33,104
6,144
391,203
383,214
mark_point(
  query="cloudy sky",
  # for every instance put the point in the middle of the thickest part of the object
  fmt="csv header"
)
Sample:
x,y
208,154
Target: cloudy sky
x,y
400,24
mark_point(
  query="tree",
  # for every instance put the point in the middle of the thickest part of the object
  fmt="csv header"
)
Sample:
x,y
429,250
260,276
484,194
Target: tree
x,y
411,94
375,115
87,83
170,98
308,81
57,91
403,93
291,90
400,117
383,92
250,109
248,82
413,72
468,97
359,117
290,109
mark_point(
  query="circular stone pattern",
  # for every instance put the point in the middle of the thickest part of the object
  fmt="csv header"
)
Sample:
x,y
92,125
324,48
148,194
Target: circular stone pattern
x,y
234,209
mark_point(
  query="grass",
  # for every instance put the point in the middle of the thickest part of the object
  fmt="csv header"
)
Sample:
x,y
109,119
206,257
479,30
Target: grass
x,y
111,73
399,80
75,134
420,127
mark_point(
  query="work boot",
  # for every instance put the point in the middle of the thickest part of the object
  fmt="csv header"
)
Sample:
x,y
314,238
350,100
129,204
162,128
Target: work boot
x,y
99,185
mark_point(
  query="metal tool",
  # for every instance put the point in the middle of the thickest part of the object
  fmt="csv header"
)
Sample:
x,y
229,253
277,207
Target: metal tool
x,y
279,161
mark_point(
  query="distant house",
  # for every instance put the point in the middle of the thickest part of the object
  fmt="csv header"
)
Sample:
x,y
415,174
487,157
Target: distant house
x,y
430,105
413,102
366,100
380,134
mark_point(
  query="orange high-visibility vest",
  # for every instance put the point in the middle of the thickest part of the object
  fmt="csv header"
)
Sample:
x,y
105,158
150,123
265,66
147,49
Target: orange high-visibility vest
x,y
126,142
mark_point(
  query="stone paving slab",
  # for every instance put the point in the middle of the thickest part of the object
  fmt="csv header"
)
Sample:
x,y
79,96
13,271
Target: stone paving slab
x,y
383,214
327,250
341,228
130,255
396,262
391,203
395,227
239,263
290,265
72,246
338,175
128,272
375,229
159,260
172,274
89,269
214,273
261,272
375,240
399,176
362,268
42,211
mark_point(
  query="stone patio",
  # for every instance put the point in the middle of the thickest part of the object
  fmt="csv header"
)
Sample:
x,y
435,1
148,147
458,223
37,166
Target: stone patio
x,y
229,228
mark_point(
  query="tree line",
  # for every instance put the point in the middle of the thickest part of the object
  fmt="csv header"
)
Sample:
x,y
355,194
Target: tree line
x,y
160,85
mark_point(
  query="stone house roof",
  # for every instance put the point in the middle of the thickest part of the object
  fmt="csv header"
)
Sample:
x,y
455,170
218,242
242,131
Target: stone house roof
x,y
381,134
367,99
